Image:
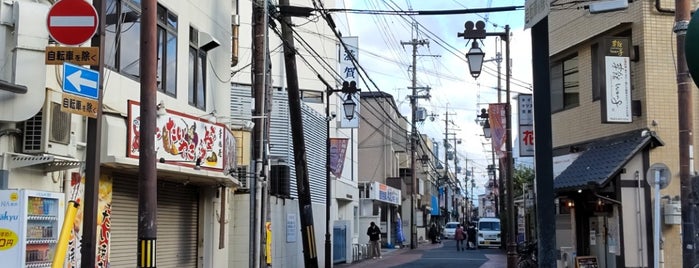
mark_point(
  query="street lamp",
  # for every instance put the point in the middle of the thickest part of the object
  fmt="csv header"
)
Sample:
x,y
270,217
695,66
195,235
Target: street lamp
x,y
474,34
349,107
475,59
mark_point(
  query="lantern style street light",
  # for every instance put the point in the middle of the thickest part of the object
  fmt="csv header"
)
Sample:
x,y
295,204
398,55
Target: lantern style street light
x,y
475,57
348,106
475,32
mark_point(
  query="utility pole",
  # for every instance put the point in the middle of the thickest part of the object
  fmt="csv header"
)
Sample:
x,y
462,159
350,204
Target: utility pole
x,y
88,249
684,101
147,183
259,92
310,257
413,138
446,163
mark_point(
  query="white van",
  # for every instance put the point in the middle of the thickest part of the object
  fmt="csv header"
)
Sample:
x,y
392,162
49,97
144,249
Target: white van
x,y
488,232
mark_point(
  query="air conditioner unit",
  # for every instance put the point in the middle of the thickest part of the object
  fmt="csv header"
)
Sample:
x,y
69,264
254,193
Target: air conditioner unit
x,y
567,258
49,131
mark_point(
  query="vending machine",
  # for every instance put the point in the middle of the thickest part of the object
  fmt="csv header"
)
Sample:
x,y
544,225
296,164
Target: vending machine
x,y
30,222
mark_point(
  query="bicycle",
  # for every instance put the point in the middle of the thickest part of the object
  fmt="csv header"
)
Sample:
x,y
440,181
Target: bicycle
x,y
527,252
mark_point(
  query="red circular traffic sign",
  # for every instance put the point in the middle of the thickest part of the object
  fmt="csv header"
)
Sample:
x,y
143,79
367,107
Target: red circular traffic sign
x,y
72,22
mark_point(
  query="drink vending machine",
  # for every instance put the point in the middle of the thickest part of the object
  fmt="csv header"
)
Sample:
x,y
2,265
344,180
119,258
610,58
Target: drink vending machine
x,y
30,223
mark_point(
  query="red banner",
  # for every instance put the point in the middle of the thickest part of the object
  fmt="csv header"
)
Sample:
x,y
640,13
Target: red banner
x,y
338,147
497,118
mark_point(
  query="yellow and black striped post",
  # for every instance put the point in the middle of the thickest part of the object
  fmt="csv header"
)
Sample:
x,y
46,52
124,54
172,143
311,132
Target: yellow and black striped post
x,y
146,253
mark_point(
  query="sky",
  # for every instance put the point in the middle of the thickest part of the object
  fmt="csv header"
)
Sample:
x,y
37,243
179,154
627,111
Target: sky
x,y
442,66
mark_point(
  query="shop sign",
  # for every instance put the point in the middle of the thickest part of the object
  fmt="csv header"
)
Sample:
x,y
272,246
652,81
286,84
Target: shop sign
x,y
180,139
384,193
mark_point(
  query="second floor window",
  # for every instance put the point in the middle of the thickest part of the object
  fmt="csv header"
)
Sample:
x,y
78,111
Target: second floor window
x,y
565,84
123,39
197,71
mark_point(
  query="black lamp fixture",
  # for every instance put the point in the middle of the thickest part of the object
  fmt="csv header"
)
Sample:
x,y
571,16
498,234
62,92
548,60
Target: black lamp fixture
x,y
349,107
487,133
197,162
425,160
475,57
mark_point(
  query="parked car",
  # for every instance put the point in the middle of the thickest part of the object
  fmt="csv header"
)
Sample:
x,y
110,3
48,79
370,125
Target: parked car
x,y
488,232
450,229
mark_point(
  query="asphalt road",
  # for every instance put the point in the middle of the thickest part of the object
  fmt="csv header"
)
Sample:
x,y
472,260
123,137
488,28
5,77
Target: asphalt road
x,y
436,255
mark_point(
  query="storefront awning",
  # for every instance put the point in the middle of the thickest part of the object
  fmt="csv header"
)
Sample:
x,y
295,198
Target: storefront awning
x,y
604,159
175,173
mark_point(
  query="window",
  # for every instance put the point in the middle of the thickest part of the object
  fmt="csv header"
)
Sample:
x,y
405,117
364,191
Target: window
x,y
123,38
597,71
196,71
565,84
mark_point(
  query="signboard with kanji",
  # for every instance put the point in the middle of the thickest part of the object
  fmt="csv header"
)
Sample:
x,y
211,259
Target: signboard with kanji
x,y
76,55
78,105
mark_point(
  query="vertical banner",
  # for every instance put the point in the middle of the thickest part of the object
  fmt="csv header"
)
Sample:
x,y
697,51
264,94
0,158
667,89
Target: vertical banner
x,y
104,219
496,116
526,125
616,104
349,73
618,90
268,243
338,148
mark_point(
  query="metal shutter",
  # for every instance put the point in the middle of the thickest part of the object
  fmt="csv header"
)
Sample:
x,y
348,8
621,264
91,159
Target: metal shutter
x,y
178,209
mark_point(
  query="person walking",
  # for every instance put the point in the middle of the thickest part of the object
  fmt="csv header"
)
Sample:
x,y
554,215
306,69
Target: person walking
x,y
471,233
374,233
433,233
459,236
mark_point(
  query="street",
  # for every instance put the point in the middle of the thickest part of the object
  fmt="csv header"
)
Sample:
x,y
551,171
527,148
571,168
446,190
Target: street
x,y
435,255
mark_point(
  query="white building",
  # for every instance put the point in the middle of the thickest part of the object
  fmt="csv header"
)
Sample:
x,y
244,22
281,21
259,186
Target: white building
x,y
44,148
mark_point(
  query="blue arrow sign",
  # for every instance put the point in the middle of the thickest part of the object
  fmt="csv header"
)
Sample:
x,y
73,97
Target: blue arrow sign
x,y
80,81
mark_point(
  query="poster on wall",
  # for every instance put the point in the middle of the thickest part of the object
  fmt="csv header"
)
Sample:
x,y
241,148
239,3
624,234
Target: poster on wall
x,y
104,218
180,139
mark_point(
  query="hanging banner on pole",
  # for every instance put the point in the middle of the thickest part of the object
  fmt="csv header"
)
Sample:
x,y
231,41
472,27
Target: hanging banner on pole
x,y
338,148
496,116
349,73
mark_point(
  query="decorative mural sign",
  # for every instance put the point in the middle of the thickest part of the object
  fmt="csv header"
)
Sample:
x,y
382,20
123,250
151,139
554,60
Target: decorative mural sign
x,y
181,139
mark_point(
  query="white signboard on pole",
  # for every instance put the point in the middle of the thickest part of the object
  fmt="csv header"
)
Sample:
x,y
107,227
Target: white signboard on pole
x,y
350,73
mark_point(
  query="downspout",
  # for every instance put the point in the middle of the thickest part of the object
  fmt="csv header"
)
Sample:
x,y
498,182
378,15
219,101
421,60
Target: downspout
x,y
639,243
4,170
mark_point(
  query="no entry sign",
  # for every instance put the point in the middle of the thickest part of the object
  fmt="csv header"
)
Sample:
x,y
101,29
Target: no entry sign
x,y
72,22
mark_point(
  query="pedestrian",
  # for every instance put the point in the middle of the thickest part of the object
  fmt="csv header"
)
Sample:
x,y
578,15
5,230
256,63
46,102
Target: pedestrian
x,y
459,236
374,233
433,233
471,233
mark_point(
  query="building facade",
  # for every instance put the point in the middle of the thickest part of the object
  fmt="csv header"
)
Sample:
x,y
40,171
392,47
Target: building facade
x,y
614,100
285,248
44,138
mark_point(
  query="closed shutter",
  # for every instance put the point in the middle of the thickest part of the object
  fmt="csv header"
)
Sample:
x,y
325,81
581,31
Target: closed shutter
x,y
178,209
